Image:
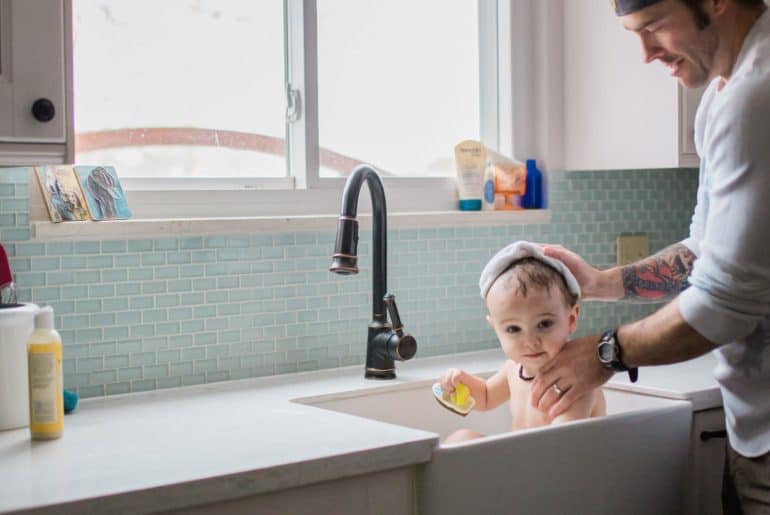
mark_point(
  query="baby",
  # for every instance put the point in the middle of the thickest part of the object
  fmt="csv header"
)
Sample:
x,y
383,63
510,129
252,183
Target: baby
x,y
532,304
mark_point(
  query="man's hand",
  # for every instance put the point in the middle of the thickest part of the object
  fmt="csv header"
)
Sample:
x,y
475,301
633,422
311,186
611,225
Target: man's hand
x,y
594,284
574,372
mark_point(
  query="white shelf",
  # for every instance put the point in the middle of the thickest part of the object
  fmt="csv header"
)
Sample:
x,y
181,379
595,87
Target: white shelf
x,y
181,227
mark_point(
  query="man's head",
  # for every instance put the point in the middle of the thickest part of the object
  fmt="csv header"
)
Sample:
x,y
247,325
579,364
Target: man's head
x,y
532,310
687,35
623,7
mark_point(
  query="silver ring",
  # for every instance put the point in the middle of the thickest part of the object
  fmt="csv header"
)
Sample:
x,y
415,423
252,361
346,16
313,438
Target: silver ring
x,y
558,390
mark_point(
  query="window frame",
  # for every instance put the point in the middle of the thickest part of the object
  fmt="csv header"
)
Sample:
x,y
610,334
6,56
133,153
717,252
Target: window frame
x,y
303,191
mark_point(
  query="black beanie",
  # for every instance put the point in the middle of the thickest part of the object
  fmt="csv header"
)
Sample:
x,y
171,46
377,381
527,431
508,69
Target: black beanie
x,y
623,7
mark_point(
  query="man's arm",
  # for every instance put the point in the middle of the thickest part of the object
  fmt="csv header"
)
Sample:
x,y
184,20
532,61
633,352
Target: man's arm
x,y
659,277
662,338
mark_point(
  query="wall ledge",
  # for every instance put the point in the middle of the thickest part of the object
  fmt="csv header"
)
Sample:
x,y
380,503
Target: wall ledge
x,y
184,227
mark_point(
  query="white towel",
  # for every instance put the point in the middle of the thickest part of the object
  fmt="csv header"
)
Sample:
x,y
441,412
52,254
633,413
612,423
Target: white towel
x,y
519,250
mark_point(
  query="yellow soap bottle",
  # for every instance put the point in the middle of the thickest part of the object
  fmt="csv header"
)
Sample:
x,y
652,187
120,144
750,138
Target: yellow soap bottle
x,y
46,403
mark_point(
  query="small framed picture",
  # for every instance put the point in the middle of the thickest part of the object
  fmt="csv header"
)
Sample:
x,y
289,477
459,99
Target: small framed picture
x,y
104,194
62,194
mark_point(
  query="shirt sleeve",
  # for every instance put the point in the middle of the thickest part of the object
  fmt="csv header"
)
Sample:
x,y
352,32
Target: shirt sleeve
x,y
730,282
697,223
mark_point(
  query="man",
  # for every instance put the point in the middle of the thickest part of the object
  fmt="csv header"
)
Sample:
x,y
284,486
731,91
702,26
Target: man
x,y
719,277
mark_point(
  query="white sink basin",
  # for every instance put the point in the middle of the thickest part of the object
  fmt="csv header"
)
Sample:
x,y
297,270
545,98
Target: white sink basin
x,y
631,461
413,405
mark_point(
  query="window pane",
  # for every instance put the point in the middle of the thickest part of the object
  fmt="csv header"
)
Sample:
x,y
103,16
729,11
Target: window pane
x,y
398,84
169,88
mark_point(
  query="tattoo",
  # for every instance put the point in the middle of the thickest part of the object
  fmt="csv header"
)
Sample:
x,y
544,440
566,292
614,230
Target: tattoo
x,y
660,277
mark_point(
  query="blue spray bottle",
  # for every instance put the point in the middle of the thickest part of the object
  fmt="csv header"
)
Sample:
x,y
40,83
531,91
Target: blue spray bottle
x,y
533,195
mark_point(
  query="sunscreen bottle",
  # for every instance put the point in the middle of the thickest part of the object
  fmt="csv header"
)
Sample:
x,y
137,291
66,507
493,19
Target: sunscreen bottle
x,y
44,354
471,159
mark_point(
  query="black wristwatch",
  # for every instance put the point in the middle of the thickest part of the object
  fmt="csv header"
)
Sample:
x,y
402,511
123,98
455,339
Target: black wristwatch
x,y
611,355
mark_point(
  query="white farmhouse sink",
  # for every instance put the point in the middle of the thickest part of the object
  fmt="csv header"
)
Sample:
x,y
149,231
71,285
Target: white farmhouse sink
x,y
631,461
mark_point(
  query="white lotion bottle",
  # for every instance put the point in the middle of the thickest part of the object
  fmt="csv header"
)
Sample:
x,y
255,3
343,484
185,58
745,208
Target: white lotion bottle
x,y
488,188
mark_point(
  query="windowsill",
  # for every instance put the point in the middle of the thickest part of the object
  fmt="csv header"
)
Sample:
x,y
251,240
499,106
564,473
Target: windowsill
x,y
182,227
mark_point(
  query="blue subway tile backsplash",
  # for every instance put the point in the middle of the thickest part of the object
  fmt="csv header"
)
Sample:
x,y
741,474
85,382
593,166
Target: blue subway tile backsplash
x,y
145,314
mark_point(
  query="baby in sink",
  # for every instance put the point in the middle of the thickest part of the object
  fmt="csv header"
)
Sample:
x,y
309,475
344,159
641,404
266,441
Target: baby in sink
x,y
533,307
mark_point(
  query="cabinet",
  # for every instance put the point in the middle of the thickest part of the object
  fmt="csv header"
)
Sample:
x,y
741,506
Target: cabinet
x,y
35,71
618,112
380,493
707,458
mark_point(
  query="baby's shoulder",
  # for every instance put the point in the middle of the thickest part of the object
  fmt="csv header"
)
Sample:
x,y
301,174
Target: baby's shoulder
x,y
510,370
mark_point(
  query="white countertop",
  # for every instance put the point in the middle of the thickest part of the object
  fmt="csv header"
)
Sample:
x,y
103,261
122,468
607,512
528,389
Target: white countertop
x,y
139,452
691,380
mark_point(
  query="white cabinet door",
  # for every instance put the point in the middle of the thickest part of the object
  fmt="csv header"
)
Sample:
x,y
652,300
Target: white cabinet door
x,y
707,458
619,113
32,61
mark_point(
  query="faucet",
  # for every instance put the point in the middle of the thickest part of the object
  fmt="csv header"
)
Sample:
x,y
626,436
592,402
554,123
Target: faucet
x,y
386,342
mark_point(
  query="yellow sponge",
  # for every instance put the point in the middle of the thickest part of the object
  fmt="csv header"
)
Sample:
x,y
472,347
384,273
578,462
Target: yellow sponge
x,y
459,401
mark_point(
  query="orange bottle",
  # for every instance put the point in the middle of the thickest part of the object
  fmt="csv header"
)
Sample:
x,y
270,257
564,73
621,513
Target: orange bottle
x,y
510,185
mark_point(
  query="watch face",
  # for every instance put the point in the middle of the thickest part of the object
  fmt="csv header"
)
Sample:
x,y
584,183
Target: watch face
x,y
606,351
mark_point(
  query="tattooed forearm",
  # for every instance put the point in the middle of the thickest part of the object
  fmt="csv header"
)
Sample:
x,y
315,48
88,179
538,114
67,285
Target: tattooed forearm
x,y
660,277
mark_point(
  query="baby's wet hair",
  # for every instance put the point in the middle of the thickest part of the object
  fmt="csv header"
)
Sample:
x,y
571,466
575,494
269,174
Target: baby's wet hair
x,y
528,273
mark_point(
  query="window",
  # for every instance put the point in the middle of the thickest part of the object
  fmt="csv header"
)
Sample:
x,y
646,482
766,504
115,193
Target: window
x,y
398,83
235,95
180,88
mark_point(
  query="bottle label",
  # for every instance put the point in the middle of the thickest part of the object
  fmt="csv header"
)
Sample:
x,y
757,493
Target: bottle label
x,y
472,179
43,386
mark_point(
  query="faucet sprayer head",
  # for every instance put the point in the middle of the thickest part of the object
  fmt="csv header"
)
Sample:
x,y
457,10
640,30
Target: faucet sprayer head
x,y
344,265
345,257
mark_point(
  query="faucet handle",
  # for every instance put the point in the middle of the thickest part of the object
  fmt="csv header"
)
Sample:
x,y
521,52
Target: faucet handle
x,y
401,346
395,321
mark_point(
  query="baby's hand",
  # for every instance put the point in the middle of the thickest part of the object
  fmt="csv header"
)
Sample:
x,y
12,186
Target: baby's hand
x,y
451,378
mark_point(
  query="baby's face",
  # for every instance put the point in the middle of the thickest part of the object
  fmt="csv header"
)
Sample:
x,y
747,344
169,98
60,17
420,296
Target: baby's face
x,y
531,329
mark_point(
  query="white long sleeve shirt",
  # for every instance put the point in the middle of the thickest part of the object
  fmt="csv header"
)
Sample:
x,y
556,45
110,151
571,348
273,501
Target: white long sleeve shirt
x,y
728,301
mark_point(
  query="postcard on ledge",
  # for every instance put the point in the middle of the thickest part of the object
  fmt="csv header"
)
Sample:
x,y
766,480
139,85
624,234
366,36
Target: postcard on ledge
x,y
62,194
103,192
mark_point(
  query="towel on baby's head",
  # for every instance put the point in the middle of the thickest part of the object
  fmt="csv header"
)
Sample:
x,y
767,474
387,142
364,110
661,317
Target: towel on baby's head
x,y
501,261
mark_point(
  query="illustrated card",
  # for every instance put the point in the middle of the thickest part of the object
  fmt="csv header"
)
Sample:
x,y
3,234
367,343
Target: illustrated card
x,y
62,194
104,194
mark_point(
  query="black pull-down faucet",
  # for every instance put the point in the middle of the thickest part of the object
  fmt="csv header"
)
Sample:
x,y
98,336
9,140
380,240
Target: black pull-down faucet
x,y
386,342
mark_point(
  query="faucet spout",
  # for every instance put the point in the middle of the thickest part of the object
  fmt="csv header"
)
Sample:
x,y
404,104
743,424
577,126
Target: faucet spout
x,y
384,344
346,248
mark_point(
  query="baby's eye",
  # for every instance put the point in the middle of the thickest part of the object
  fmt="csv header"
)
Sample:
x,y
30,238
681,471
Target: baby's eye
x,y
512,329
545,324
